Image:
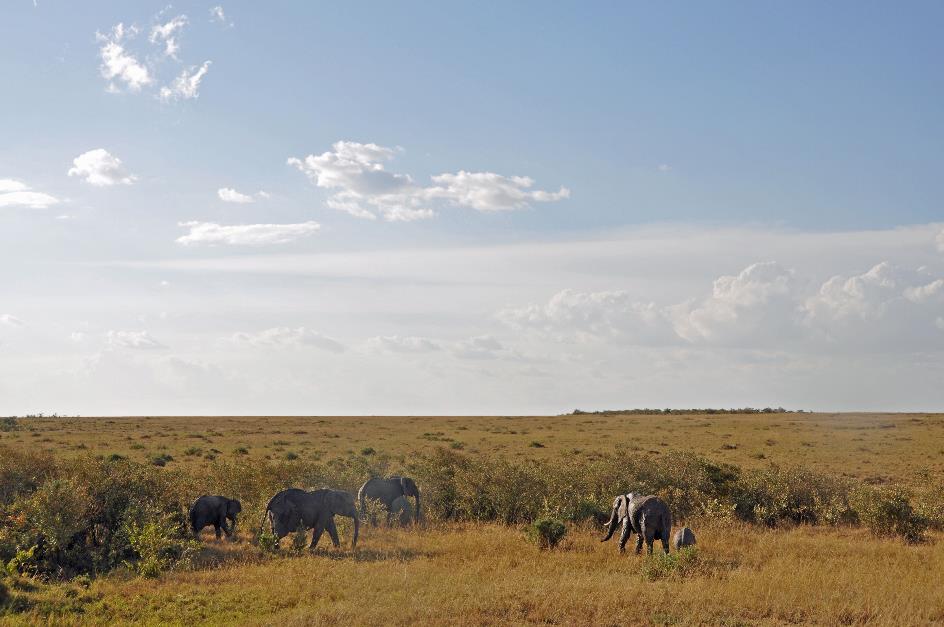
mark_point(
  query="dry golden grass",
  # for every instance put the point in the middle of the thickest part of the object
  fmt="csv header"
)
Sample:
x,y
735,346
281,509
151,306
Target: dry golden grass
x,y
873,447
488,574
467,574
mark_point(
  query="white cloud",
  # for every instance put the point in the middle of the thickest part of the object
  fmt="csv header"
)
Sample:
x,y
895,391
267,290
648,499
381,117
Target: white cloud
x,y
139,340
285,337
592,315
10,320
14,193
865,296
100,168
187,85
78,337
759,301
924,293
400,344
364,188
118,65
940,241
245,234
218,15
167,34
480,347
228,194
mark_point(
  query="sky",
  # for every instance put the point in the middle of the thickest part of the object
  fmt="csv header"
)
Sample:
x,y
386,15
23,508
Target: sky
x,y
488,208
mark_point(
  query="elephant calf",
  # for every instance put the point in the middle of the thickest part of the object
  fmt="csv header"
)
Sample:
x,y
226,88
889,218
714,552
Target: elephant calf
x,y
683,537
214,510
647,516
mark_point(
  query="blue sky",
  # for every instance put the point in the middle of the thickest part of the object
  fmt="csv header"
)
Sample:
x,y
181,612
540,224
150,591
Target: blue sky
x,y
724,132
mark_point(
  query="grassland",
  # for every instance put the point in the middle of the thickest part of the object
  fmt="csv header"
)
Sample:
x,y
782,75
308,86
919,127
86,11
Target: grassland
x,y
447,573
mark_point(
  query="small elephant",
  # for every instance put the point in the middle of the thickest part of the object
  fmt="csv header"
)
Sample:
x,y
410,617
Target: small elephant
x,y
214,510
683,537
647,516
387,491
315,510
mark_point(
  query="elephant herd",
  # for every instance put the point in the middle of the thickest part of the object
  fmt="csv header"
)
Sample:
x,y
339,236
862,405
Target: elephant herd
x,y
647,516
293,508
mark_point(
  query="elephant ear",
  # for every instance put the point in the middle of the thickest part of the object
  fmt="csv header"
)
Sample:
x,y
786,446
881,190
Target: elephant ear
x,y
623,507
233,507
405,485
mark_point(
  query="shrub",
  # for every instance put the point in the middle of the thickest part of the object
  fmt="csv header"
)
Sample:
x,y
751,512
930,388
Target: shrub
x,y
888,512
367,450
267,541
547,532
682,563
158,544
290,456
8,424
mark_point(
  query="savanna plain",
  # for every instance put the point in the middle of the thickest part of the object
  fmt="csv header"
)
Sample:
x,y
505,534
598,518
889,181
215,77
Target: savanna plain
x,y
800,518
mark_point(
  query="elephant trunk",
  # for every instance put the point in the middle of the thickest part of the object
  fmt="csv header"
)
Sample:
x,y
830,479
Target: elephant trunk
x,y
611,526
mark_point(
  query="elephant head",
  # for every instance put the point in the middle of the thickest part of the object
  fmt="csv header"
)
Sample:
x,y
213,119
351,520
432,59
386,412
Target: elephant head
x,y
409,489
342,503
621,509
233,507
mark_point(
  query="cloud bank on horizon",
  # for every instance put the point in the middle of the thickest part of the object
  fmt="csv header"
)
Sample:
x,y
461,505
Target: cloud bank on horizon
x,y
240,212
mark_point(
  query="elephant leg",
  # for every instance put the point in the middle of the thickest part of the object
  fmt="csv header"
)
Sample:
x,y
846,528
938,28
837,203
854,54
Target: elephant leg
x,y
639,544
216,528
624,535
333,532
665,541
316,534
650,539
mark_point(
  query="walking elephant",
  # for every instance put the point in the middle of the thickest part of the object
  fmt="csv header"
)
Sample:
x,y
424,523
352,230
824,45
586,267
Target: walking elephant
x,y
315,510
387,491
647,516
214,510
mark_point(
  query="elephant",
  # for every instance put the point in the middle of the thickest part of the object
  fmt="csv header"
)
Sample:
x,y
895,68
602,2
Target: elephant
x,y
647,516
214,510
387,491
314,510
683,537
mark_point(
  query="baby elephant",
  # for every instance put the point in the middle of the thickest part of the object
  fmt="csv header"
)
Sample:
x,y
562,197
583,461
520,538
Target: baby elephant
x,y
214,510
683,537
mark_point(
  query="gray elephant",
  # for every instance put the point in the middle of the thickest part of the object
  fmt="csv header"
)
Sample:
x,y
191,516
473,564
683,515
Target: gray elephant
x,y
214,510
647,516
315,510
683,537
387,491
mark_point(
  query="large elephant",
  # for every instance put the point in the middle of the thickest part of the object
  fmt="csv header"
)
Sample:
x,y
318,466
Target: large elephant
x,y
314,510
387,491
214,510
647,516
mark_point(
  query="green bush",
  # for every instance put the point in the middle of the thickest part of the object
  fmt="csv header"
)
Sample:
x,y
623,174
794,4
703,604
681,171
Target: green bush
x,y
158,544
8,424
888,512
682,563
547,532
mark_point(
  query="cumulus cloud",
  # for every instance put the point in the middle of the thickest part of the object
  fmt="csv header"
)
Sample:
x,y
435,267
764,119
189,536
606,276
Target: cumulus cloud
x,y
10,320
285,337
245,234
400,344
100,168
760,300
187,85
167,34
763,305
607,314
138,340
364,188
15,193
118,65
228,194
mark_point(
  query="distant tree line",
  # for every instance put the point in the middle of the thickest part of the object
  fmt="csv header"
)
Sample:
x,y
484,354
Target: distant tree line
x,y
647,411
